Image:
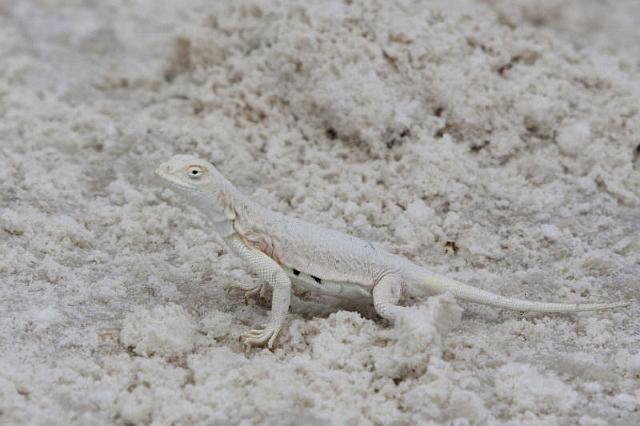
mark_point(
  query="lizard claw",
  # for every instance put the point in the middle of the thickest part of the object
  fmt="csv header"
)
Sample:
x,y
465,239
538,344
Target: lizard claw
x,y
265,336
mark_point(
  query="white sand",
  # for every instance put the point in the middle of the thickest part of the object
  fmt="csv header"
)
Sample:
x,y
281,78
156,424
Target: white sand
x,y
509,127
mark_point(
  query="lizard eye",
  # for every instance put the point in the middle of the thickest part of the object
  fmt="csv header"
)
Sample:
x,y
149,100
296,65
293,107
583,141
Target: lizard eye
x,y
195,172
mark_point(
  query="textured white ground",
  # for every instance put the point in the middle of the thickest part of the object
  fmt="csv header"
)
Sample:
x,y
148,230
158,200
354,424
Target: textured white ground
x,y
511,128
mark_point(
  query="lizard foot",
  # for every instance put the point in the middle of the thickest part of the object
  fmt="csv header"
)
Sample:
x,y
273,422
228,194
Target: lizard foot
x,y
260,337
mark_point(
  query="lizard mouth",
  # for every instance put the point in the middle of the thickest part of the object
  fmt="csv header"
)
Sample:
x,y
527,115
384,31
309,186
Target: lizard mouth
x,y
164,173
173,183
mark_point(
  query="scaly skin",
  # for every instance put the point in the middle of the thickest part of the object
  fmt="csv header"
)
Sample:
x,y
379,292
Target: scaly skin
x,y
285,251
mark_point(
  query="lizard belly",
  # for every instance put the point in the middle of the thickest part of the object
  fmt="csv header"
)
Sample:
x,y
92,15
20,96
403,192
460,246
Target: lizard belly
x,y
342,290
345,290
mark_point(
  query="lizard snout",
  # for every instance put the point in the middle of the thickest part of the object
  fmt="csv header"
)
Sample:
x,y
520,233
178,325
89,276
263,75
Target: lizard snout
x,y
162,170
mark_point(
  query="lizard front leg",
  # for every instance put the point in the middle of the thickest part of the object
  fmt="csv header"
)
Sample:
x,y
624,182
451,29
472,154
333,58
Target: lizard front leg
x,y
268,270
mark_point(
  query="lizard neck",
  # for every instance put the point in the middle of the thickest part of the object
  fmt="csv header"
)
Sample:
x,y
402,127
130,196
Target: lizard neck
x,y
225,208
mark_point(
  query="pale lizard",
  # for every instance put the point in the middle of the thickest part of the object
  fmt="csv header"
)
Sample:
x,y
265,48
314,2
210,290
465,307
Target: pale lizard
x,y
283,250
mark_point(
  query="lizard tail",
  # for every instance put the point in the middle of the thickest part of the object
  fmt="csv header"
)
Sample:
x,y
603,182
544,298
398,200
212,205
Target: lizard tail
x,y
433,283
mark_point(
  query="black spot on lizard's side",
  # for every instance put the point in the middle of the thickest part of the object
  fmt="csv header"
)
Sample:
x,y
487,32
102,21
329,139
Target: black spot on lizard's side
x,y
296,272
316,279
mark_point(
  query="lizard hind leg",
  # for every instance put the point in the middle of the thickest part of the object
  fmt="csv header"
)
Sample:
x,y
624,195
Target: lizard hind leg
x,y
249,289
386,295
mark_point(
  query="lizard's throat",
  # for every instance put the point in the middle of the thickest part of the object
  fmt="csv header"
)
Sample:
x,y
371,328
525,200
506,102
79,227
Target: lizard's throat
x,y
209,203
213,209
210,206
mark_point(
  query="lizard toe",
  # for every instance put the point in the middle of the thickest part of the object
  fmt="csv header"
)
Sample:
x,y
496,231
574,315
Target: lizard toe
x,y
260,337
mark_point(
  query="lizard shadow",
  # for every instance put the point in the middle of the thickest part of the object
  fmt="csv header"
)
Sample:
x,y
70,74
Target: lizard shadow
x,y
309,306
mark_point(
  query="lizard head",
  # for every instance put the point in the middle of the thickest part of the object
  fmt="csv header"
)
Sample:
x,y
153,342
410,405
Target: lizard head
x,y
187,173
198,180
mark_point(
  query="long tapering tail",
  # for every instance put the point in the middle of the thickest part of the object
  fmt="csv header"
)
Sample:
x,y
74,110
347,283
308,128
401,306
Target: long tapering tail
x,y
434,283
